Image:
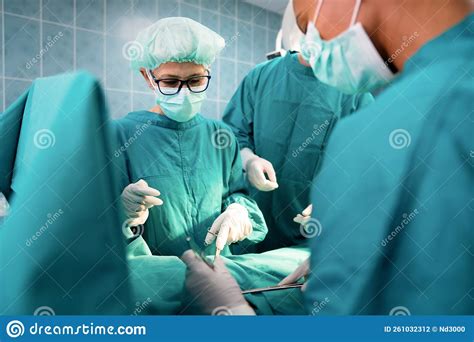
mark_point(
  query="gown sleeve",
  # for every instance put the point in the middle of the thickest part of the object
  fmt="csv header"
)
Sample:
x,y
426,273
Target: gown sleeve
x,y
239,112
136,246
237,193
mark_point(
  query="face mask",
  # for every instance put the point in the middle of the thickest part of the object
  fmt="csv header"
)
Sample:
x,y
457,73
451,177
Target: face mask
x,y
291,33
349,62
180,107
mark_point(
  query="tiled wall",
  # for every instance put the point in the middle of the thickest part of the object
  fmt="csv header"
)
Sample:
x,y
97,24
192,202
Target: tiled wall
x,y
45,37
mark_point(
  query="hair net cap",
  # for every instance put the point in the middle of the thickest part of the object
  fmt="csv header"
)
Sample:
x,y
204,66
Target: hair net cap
x,y
175,39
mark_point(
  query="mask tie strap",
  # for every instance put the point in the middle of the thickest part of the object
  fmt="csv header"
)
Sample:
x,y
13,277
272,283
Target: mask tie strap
x,y
317,10
356,12
152,81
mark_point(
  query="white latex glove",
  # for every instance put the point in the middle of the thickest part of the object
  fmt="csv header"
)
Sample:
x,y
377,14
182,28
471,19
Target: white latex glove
x,y
256,168
305,215
231,226
300,272
4,206
212,291
137,198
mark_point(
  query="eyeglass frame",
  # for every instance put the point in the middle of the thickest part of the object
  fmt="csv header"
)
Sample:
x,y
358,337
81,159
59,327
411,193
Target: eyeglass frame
x,y
182,82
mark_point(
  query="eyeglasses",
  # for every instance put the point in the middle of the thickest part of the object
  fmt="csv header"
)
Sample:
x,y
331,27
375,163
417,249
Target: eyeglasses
x,y
172,86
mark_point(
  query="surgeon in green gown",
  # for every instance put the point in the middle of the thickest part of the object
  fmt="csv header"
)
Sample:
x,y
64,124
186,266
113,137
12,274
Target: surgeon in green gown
x,y
184,176
282,116
395,191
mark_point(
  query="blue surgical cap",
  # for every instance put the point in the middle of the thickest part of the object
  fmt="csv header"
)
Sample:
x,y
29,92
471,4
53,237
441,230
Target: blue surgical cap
x,y
175,39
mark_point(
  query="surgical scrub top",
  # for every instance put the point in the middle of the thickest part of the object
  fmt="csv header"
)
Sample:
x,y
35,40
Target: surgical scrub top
x,y
396,190
197,168
284,114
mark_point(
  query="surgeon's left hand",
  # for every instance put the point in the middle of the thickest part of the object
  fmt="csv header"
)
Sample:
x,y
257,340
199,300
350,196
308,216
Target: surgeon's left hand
x,y
302,271
213,291
231,226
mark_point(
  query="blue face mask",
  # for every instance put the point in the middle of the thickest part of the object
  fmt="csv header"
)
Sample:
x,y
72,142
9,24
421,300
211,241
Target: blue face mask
x,y
349,62
182,106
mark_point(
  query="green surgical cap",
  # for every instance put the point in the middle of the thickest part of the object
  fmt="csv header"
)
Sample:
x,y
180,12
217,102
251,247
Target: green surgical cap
x,y
174,39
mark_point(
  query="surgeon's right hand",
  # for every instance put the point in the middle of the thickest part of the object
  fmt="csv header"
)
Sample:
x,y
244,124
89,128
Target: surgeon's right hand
x,y
137,198
256,168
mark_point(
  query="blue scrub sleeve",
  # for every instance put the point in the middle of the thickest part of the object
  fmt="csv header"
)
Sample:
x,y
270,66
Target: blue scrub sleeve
x,y
239,112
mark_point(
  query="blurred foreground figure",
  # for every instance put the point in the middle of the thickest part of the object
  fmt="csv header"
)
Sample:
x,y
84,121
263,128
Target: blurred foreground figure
x,y
58,249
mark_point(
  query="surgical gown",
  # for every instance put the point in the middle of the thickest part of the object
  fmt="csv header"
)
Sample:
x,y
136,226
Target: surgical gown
x,y
197,168
395,194
285,115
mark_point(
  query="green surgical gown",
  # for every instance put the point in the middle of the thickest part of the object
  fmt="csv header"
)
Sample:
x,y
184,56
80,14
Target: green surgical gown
x,y
395,194
197,168
285,115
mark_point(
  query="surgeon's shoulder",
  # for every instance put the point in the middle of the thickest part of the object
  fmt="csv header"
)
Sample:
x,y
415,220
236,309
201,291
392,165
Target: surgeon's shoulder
x,y
453,109
126,122
265,68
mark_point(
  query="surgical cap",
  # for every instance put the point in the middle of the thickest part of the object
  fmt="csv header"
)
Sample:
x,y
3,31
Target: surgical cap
x,y
175,39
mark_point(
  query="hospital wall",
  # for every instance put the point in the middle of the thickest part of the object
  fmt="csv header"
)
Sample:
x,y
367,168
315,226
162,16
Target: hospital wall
x,y
45,37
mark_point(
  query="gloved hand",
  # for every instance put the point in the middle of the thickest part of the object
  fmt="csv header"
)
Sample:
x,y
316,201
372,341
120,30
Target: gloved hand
x,y
231,226
212,291
256,168
300,272
137,198
305,215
